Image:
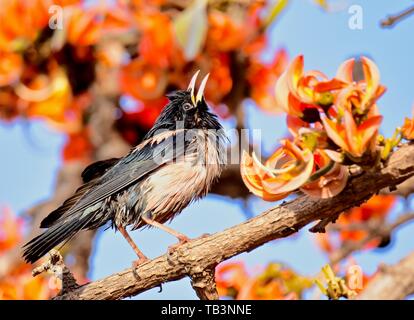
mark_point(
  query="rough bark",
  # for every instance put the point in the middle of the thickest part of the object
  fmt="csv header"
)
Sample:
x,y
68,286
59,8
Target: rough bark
x,y
279,222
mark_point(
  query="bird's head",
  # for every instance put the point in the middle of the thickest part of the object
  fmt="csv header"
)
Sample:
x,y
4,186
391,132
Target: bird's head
x,y
187,110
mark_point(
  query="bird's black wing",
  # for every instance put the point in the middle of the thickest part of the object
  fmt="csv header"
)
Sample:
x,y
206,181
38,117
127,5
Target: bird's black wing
x,y
137,164
89,177
98,169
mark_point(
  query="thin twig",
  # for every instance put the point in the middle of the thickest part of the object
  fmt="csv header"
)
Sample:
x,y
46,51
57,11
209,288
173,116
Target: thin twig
x,y
375,231
392,20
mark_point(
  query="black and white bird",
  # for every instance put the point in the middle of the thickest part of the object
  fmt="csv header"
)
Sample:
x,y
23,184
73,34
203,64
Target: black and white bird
x,y
175,164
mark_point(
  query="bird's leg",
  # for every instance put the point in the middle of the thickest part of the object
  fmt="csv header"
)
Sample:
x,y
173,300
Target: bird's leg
x,y
181,237
141,257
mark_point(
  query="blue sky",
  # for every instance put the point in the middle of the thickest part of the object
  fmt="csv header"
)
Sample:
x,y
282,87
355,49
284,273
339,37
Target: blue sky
x,y
31,152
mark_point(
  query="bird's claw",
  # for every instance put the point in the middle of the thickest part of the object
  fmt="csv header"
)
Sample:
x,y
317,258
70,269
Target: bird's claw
x,y
172,249
136,264
182,240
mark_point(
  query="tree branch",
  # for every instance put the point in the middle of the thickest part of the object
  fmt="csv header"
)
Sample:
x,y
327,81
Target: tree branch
x,y
57,267
377,230
392,20
392,282
204,283
278,222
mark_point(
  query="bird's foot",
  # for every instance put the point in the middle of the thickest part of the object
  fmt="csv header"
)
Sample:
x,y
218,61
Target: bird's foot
x,y
182,239
136,264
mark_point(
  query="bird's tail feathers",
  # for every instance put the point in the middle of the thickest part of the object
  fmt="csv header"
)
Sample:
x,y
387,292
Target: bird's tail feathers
x,y
58,233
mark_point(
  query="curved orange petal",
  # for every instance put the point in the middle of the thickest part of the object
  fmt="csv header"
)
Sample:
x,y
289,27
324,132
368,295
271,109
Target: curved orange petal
x,y
268,167
351,132
368,129
334,132
333,84
295,106
276,185
295,73
329,185
294,124
252,180
282,93
294,149
372,78
345,71
407,129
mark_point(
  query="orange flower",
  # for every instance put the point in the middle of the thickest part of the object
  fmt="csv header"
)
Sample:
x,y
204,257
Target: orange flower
x,y
262,78
85,26
64,3
354,120
329,179
115,18
375,208
24,287
301,93
360,95
10,229
220,81
157,44
81,27
231,277
407,130
224,33
143,81
275,282
78,146
49,97
285,171
257,290
19,284
354,138
11,65
21,22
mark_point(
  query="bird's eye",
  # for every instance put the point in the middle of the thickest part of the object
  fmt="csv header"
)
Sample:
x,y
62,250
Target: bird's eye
x,y
187,106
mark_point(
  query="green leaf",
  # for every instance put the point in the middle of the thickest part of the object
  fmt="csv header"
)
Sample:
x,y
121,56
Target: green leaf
x,y
191,28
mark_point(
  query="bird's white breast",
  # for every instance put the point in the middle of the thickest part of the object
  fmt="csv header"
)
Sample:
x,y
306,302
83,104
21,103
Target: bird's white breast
x,y
175,185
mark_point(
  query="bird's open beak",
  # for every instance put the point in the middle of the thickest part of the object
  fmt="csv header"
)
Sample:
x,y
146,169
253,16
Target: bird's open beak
x,y
200,92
